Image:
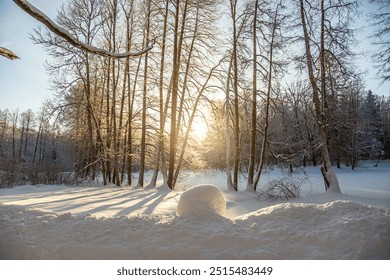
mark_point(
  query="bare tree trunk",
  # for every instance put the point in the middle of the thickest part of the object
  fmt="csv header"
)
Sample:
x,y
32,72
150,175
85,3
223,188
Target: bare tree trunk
x,y
107,156
237,150
115,176
121,114
29,117
175,84
40,128
160,146
254,104
4,127
91,146
127,89
130,125
183,23
21,138
14,118
144,94
267,104
330,179
227,125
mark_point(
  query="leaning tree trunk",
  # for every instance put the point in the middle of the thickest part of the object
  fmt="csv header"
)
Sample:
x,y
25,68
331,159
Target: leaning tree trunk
x,y
330,179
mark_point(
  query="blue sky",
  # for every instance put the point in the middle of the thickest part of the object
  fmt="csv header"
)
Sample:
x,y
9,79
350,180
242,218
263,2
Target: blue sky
x,y
24,83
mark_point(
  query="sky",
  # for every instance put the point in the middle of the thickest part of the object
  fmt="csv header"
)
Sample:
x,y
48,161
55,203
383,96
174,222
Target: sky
x,y
24,83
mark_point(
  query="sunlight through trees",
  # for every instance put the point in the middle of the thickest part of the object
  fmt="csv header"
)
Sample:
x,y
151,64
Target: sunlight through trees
x,y
172,85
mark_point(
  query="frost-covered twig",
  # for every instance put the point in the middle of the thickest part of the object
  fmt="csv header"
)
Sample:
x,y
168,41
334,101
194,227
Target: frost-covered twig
x,y
8,54
40,16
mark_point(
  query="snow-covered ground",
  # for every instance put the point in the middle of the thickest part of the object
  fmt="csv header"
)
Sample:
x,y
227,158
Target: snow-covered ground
x,y
96,222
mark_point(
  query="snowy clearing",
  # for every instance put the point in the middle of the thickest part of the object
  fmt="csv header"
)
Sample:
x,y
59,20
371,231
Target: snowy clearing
x,y
62,222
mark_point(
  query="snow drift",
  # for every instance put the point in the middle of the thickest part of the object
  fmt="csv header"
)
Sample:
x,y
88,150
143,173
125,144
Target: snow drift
x,y
334,230
201,201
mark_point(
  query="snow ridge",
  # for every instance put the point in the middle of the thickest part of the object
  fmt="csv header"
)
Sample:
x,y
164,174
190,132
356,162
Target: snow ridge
x,y
334,230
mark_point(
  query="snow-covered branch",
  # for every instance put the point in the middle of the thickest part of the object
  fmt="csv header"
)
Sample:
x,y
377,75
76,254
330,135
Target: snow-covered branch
x,y
40,16
8,54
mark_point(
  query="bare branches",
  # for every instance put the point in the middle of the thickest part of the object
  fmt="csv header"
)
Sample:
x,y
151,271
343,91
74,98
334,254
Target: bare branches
x,y
51,25
380,21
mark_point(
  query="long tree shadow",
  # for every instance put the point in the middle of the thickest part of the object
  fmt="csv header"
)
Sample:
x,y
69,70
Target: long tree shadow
x,y
55,195
135,201
75,197
132,202
150,203
101,201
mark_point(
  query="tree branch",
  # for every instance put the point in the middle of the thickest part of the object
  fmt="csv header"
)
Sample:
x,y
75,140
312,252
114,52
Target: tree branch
x,y
51,25
8,54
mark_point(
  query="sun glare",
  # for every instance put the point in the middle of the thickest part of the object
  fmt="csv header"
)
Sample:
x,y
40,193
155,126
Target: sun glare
x,y
199,129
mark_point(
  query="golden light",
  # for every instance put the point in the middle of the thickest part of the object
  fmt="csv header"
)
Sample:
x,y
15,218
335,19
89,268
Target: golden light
x,y
199,129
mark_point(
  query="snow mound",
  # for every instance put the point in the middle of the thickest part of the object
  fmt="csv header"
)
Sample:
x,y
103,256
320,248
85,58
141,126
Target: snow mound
x,y
201,201
334,230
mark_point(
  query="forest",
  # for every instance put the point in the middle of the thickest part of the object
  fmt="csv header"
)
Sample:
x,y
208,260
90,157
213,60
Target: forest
x,y
214,84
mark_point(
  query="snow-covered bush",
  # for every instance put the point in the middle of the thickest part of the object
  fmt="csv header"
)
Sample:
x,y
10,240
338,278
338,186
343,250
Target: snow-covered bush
x,y
287,186
201,201
14,173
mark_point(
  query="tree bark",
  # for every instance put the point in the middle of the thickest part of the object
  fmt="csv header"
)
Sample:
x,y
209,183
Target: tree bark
x,y
144,94
160,148
330,179
252,154
175,85
227,126
237,150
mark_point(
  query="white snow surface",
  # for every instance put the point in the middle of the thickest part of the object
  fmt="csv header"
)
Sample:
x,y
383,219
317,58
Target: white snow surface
x,y
203,201
95,222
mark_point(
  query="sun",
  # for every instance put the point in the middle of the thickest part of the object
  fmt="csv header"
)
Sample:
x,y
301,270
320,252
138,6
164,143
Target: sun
x,y
199,129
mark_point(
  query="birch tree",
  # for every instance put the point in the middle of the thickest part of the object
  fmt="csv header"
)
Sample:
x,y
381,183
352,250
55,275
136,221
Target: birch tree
x,y
338,12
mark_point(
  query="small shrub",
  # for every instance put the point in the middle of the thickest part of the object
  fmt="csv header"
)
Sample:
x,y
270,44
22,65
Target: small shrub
x,y
9,174
13,173
287,186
